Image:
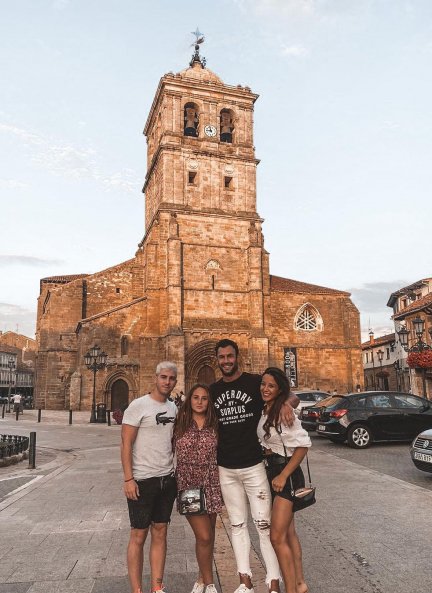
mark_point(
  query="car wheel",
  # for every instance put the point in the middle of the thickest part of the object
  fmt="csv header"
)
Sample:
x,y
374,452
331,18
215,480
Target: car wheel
x,y
359,436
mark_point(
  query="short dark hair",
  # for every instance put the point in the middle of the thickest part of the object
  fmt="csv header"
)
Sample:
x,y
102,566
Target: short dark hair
x,y
226,342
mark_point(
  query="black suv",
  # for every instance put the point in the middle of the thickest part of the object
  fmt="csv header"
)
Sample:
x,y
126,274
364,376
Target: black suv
x,y
361,418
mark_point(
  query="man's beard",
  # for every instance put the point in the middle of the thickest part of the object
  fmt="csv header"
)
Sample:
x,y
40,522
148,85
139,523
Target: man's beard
x,y
231,372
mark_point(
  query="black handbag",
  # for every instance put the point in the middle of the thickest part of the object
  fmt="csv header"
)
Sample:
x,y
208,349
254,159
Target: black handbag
x,y
302,497
192,501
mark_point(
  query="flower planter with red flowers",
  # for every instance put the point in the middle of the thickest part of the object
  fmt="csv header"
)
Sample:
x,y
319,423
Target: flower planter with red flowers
x,y
420,360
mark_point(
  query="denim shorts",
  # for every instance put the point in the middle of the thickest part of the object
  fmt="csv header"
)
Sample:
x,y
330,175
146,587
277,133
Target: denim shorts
x,y
155,501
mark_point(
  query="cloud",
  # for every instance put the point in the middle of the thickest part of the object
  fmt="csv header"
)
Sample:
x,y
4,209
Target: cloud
x,y
60,4
294,51
292,8
372,297
73,162
13,184
14,317
26,260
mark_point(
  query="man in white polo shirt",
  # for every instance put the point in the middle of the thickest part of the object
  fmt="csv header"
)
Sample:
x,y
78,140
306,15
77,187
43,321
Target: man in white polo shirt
x,y
149,483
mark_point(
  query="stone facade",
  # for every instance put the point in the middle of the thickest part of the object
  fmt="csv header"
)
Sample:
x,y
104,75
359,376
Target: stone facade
x,y
23,350
200,273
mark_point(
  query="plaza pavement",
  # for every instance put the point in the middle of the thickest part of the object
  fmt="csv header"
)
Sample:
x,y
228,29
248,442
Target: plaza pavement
x,y
64,528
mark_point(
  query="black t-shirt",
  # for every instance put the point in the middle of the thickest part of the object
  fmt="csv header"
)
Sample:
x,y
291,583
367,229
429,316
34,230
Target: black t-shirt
x,y
238,406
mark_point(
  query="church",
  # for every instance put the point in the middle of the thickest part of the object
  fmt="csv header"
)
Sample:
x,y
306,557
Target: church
x,y
201,272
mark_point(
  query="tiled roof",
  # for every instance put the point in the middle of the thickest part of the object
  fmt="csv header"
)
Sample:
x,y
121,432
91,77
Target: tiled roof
x,y
423,304
406,289
63,279
387,339
287,285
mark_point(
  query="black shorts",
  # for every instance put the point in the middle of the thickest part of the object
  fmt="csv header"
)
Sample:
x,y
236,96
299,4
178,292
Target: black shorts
x,y
155,502
298,481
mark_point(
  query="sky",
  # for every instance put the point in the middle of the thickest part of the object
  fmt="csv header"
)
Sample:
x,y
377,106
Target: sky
x,y
342,127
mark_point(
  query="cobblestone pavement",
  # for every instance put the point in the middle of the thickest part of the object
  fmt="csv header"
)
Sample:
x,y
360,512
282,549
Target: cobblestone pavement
x,y
67,530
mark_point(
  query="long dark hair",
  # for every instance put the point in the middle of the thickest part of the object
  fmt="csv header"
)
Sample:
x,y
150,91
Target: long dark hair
x,y
184,417
274,412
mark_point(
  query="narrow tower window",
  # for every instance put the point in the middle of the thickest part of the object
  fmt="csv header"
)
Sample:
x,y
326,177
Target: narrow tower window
x,y
124,346
228,182
191,120
192,177
226,126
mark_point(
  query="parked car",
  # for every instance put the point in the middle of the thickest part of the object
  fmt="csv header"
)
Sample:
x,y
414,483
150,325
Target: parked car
x,y
362,418
308,399
309,416
421,451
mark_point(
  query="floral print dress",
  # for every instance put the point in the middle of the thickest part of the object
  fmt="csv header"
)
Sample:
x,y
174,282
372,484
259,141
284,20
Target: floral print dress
x,y
196,464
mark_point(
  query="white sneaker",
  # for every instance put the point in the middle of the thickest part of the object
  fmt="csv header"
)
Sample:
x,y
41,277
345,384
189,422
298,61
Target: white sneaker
x,y
243,589
198,588
210,588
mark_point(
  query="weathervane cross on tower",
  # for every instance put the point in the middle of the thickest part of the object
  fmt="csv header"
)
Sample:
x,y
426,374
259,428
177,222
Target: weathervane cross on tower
x,y
199,38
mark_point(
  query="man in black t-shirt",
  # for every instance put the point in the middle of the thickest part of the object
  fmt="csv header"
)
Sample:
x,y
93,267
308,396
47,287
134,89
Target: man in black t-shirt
x,y
238,404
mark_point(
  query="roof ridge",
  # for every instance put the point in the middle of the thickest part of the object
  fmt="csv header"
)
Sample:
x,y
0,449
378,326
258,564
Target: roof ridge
x,y
112,310
298,284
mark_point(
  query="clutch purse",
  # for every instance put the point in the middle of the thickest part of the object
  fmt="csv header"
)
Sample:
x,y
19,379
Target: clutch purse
x,y
191,501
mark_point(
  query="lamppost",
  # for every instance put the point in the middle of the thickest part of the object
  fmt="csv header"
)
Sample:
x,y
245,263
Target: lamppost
x,y
95,360
398,369
11,365
418,346
380,355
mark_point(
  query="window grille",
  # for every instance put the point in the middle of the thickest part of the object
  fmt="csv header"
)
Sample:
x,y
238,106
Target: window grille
x,y
308,319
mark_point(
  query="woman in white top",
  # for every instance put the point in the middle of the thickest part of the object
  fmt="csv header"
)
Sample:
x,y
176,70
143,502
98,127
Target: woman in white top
x,y
285,448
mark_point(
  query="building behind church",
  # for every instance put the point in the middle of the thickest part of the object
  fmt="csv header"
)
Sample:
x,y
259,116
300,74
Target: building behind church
x,y
201,272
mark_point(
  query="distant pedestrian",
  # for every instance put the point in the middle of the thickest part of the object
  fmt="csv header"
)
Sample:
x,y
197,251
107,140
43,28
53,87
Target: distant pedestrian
x,y
16,399
149,483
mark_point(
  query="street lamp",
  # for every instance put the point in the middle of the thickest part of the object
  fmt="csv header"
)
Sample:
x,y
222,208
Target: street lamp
x,y
11,365
418,346
398,369
95,360
380,355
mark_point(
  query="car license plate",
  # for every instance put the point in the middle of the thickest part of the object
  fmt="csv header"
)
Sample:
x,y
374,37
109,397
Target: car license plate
x,y
321,427
423,457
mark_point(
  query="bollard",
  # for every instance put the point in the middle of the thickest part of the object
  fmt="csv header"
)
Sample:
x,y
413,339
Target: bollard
x,y
70,416
39,415
3,410
17,413
32,451
108,415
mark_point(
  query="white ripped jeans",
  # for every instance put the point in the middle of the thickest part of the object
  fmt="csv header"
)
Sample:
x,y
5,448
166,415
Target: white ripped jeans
x,y
236,485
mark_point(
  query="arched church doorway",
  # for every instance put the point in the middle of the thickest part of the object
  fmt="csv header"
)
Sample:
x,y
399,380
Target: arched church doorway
x,y
206,375
200,363
119,395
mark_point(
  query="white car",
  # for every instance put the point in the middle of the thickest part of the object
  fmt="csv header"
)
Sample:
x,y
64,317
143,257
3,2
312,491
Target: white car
x,y
309,398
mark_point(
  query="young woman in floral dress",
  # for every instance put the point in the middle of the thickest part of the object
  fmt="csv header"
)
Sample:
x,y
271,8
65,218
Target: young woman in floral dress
x,y
195,444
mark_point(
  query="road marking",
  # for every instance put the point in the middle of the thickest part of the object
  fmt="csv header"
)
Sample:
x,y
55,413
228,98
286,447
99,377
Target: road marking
x,y
24,486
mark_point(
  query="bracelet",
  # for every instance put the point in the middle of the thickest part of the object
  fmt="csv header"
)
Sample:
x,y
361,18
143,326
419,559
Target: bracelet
x,y
130,480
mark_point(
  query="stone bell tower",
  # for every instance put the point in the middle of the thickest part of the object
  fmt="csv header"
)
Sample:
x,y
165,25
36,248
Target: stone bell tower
x,y
201,221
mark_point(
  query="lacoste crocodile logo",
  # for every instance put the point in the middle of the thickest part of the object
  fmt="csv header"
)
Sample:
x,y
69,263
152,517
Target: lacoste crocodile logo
x,y
162,419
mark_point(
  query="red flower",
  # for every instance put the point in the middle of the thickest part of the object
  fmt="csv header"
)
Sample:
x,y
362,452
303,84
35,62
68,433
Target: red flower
x,y
422,360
